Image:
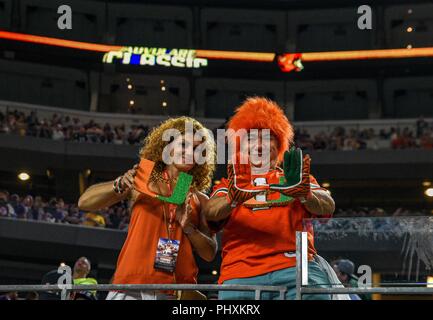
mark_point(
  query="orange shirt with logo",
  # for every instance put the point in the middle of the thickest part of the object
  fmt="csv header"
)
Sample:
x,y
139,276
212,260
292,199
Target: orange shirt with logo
x,y
258,241
147,226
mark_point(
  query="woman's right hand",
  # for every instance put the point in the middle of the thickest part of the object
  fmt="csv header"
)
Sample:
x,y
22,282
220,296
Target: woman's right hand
x,y
127,179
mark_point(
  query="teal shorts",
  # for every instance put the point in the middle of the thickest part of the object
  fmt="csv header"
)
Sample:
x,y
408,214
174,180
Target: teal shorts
x,y
317,277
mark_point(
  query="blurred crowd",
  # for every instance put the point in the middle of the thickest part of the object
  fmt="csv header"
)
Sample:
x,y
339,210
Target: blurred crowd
x,y
340,138
343,139
55,210
375,223
69,129
380,212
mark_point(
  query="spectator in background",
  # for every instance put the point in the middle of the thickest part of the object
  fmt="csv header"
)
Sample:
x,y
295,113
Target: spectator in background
x,y
53,210
21,125
58,133
47,216
400,212
73,215
426,139
82,135
57,211
421,125
377,212
45,130
119,135
80,274
28,205
10,122
61,208
125,223
51,277
63,128
94,219
19,210
383,134
345,272
116,217
32,295
9,296
319,141
37,210
67,122
55,119
5,208
75,127
108,136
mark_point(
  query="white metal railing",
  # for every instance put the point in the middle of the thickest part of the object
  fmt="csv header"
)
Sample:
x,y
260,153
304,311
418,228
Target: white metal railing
x,y
302,286
65,288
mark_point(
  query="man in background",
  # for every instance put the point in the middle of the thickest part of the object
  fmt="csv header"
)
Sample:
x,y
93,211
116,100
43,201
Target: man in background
x,y
80,274
345,270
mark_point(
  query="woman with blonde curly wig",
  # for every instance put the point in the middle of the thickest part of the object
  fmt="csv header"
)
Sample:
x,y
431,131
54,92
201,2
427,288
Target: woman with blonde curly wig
x,y
153,220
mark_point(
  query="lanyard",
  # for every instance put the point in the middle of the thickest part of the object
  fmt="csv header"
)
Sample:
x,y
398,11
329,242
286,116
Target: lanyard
x,y
171,225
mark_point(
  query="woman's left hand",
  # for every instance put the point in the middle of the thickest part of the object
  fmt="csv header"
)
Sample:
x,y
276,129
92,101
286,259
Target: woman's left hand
x,y
184,213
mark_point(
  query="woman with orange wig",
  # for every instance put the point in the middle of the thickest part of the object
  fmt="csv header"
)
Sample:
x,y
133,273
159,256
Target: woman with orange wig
x,y
260,210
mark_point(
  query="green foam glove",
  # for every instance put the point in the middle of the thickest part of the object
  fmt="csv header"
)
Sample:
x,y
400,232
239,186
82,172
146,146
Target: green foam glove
x,y
180,190
292,170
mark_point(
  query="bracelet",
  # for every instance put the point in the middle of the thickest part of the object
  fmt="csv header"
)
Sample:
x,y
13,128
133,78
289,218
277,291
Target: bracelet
x,y
116,185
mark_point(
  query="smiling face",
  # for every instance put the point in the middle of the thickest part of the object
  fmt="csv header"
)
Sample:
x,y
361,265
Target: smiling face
x,y
262,149
183,153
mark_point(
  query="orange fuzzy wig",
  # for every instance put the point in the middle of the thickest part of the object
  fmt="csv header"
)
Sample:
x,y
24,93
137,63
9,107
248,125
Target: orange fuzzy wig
x,y
262,113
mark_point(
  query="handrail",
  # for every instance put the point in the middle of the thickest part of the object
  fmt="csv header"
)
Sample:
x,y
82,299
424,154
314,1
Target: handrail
x,y
302,287
379,290
143,287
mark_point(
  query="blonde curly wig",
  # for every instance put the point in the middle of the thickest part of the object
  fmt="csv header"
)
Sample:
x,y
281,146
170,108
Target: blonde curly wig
x,y
153,146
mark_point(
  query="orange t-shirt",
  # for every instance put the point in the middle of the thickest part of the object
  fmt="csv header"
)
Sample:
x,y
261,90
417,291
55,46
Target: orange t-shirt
x,y
258,241
147,226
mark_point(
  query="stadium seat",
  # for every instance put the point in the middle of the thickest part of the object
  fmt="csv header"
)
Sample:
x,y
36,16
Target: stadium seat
x,y
40,17
333,99
150,26
5,13
45,85
217,98
244,30
403,92
323,30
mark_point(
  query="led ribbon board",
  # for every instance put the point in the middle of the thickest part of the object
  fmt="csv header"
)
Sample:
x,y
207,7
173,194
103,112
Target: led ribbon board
x,y
188,58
